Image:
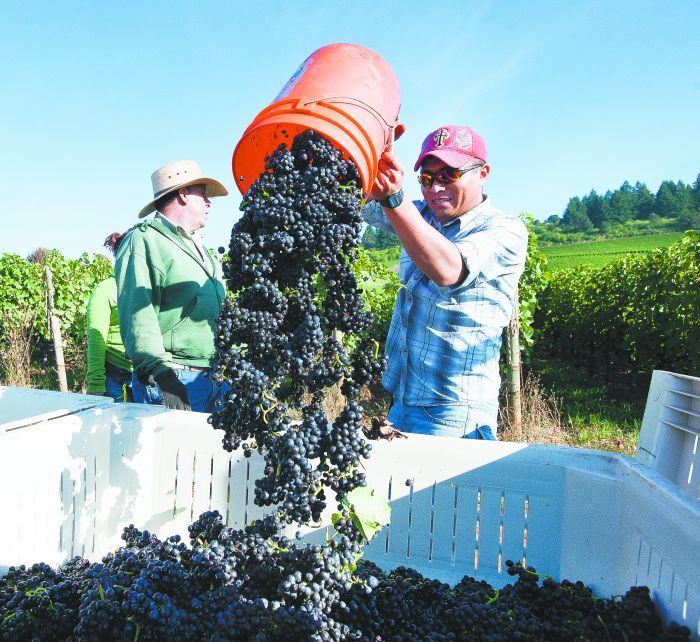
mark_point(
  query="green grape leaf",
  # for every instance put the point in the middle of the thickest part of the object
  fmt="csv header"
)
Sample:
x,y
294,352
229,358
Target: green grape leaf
x,y
368,511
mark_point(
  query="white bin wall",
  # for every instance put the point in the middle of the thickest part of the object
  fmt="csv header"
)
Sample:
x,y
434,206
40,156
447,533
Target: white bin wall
x,y
54,477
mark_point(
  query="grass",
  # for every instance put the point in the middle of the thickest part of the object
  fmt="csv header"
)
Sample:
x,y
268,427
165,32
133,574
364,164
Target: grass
x,y
598,253
593,414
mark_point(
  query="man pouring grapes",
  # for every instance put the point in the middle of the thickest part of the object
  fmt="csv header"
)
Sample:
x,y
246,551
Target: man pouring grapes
x,y
461,260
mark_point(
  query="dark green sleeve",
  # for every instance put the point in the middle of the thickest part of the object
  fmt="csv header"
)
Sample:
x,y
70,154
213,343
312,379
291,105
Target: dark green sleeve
x,y
140,275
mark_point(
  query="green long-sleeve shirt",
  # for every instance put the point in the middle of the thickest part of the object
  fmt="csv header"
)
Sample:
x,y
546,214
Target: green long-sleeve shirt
x,y
169,298
104,339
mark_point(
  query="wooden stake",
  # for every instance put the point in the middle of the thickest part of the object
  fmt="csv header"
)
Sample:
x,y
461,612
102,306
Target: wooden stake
x,y
513,388
56,334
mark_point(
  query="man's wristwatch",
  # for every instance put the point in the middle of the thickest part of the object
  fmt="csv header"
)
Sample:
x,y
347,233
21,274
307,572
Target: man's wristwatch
x,y
393,201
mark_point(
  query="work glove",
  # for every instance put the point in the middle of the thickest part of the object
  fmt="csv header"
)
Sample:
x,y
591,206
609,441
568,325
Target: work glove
x,y
174,391
145,379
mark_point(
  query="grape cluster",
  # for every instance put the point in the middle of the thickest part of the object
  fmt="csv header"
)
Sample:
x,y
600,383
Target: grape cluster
x,y
289,272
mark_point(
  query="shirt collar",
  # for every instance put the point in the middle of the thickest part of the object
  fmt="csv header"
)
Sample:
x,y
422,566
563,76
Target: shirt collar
x,y
176,229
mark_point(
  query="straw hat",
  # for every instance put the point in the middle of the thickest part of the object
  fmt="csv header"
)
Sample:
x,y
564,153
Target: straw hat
x,y
179,174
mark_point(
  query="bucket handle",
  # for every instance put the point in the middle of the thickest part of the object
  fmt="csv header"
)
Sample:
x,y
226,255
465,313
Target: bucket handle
x,y
369,107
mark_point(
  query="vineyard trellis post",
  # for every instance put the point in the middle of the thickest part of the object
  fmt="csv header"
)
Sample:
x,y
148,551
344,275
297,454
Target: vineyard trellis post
x,y
513,387
55,326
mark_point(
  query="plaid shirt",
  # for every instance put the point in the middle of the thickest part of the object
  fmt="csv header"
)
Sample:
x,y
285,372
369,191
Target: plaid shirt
x,y
444,343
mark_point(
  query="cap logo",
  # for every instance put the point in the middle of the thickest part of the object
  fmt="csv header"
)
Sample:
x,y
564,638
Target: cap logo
x,y
463,139
440,137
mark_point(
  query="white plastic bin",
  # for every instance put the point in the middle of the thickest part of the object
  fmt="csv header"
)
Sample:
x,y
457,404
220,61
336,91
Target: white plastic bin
x,y
70,483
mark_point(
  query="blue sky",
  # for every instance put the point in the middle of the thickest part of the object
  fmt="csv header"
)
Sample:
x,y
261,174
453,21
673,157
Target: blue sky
x,y
570,96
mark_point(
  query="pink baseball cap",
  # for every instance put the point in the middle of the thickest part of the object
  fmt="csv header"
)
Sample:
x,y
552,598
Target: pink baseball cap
x,y
453,145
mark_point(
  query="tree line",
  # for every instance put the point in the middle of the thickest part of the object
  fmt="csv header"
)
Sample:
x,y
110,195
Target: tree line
x,y
677,201
627,211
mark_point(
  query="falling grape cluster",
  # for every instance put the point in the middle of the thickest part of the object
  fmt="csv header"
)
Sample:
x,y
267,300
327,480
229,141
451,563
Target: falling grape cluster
x,y
282,342
293,294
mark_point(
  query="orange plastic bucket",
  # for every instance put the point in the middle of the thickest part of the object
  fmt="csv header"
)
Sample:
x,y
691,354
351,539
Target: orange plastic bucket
x,y
345,92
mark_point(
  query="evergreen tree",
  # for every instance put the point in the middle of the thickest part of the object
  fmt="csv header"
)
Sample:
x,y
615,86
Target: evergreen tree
x,y
595,208
575,218
622,204
687,216
666,200
607,218
645,201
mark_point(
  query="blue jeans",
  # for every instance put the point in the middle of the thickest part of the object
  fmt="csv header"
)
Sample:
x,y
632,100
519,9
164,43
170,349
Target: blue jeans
x,y
118,383
204,394
442,421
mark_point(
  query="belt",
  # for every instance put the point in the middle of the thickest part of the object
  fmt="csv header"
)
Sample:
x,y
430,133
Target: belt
x,y
178,366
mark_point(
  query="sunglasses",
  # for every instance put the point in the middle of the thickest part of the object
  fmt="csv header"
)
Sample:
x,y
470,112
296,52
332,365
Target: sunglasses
x,y
444,176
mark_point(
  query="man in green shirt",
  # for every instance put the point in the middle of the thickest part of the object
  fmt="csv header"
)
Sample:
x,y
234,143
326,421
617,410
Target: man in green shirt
x,y
170,292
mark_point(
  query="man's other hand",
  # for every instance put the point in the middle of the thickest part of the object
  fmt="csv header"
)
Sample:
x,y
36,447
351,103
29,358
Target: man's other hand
x,y
174,391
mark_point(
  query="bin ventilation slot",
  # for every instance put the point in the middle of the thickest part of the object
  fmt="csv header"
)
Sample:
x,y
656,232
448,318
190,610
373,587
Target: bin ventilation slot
x,y
84,472
72,533
684,411
691,468
228,491
477,529
387,539
211,480
94,500
247,490
526,509
194,473
177,470
453,546
685,393
432,523
500,532
670,424
410,519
